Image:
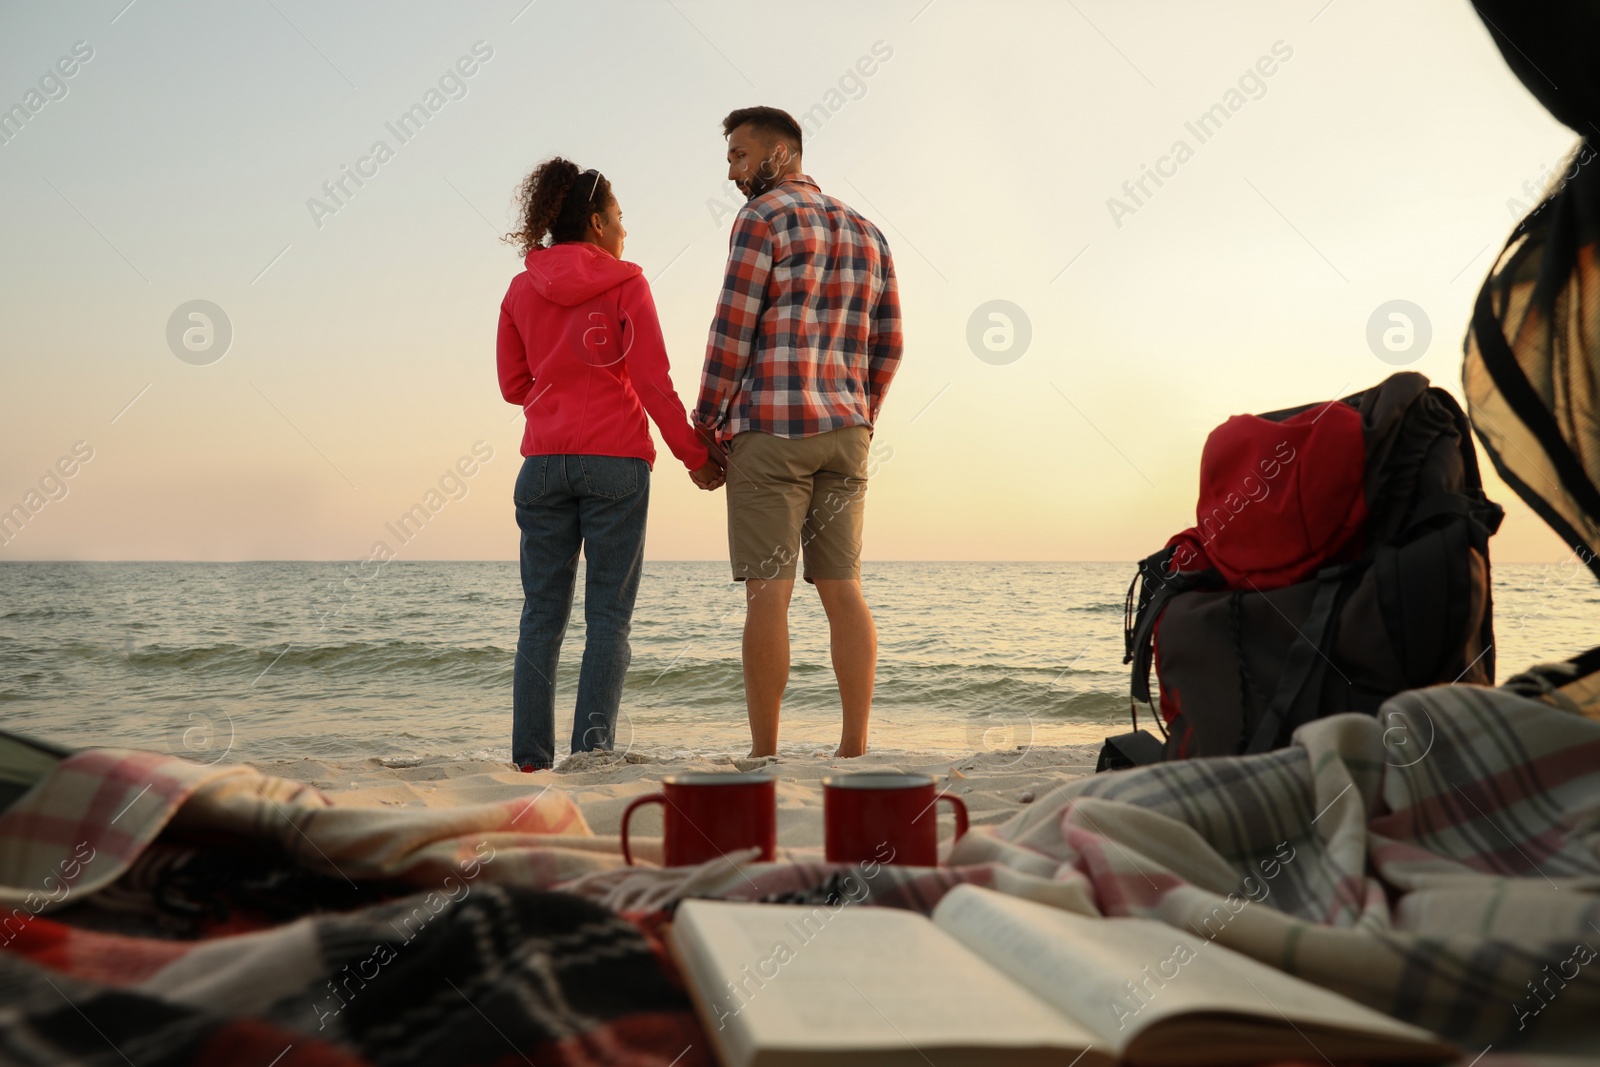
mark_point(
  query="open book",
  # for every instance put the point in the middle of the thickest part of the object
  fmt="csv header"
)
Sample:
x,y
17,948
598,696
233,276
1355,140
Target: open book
x,y
995,980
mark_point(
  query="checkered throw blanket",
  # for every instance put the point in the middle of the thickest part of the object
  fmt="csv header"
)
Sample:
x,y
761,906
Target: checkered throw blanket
x,y
496,976
1439,862
86,823
480,968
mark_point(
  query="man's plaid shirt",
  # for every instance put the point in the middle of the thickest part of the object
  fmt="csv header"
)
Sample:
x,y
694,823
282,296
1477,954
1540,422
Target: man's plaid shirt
x,y
807,333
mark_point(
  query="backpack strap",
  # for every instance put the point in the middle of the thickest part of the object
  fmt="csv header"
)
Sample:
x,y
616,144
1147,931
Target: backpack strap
x,y
1303,668
1138,622
1481,515
1463,426
1157,585
1452,504
1141,649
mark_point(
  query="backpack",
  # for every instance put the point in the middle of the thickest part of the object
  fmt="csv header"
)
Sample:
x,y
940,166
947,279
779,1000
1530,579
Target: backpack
x,y
1339,557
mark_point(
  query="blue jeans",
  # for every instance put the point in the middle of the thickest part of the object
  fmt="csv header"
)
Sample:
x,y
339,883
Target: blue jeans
x,y
564,503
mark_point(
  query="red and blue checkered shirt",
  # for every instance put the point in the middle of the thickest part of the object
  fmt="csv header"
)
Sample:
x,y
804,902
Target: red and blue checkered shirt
x,y
807,333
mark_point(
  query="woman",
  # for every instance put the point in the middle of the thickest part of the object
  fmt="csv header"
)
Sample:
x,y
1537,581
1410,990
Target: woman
x,y
580,349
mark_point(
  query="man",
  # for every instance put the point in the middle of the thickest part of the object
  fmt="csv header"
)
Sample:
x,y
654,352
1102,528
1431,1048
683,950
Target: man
x,y
804,345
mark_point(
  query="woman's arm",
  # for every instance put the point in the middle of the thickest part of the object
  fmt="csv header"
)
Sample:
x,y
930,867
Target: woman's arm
x,y
646,355
512,356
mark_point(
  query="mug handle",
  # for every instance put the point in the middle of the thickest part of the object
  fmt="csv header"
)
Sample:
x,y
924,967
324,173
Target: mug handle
x,y
661,798
960,807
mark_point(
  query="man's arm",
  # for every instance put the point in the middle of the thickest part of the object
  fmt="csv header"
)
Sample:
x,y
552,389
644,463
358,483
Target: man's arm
x,y
733,331
884,344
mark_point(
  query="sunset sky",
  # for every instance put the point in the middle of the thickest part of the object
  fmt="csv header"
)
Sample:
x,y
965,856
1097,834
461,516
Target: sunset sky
x,y
999,145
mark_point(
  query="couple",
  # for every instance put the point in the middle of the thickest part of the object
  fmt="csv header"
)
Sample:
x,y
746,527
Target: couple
x,y
805,341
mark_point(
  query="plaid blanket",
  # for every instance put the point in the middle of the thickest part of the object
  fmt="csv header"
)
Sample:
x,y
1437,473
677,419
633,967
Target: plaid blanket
x,y
500,975
85,824
1440,862
343,961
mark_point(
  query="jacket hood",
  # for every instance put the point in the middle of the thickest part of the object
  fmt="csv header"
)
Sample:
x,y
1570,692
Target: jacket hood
x,y
575,271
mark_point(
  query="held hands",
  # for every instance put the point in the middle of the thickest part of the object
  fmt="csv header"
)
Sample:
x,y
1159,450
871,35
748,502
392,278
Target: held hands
x,y
711,475
719,451
714,472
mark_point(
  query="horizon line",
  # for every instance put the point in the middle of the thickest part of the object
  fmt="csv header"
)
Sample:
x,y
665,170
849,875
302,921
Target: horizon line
x,y
512,560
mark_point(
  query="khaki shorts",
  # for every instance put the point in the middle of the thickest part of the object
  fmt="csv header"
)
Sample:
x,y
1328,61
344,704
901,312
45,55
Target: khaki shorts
x,y
789,497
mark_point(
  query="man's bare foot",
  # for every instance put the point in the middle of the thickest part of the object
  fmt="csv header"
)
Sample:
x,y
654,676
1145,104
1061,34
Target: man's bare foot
x,y
840,753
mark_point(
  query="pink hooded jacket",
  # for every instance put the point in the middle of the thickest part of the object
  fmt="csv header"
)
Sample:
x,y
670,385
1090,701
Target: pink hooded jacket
x,y
580,349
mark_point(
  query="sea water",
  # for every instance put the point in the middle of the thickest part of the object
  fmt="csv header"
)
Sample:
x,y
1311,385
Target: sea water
x,y
243,661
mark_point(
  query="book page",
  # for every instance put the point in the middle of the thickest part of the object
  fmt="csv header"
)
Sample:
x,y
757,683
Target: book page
x,y
1119,976
797,977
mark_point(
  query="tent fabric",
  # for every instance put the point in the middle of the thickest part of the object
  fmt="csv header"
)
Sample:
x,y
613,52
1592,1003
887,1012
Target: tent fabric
x,y
1550,48
1531,371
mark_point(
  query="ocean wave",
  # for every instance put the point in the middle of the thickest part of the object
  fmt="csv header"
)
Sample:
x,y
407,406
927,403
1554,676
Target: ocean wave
x,y
654,679
1093,706
41,614
436,674
447,663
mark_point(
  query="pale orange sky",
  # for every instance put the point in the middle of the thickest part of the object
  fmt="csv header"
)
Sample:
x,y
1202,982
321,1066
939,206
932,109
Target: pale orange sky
x,y
1380,160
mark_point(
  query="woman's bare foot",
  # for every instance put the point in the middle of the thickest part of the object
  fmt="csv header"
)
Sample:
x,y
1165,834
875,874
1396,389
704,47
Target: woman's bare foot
x,y
840,753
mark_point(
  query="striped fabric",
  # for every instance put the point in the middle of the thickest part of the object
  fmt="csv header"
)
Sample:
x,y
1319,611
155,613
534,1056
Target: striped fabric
x,y
807,333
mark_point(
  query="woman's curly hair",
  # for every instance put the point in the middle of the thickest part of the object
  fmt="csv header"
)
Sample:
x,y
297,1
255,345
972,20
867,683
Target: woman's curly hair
x,y
556,201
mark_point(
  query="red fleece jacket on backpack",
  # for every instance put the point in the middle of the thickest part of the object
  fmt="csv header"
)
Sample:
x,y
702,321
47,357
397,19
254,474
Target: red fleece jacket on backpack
x,y
1279,500
580,349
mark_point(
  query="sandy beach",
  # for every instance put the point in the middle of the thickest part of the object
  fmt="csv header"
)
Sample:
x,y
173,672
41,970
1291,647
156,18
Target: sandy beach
x,y
994,785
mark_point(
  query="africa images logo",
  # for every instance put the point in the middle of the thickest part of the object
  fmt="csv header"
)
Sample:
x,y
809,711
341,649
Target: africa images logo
x,y
199,332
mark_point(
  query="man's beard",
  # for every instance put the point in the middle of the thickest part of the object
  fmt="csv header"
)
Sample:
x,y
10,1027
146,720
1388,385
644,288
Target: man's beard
x,y
759,182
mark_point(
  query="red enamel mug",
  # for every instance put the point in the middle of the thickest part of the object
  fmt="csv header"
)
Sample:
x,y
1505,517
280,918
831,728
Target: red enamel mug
x,y
704,816
886,817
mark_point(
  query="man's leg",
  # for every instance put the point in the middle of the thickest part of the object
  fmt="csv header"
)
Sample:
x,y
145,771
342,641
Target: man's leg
x,y
832,546
853,640
766,658
769,486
